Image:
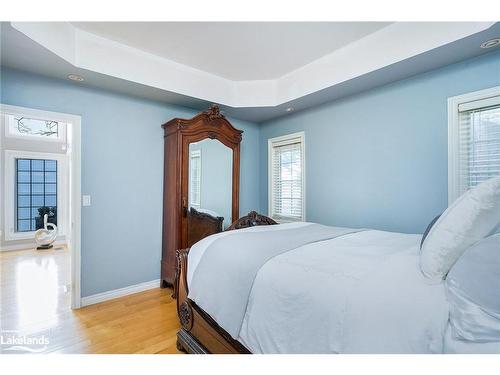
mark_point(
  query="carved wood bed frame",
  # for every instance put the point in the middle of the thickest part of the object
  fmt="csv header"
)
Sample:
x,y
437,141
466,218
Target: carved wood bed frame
x,y
200,334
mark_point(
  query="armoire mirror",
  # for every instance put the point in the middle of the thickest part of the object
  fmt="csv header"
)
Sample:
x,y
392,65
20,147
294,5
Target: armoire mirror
x,y
211,180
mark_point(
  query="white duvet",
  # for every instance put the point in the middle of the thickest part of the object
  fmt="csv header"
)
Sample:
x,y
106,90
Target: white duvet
x,y
361,292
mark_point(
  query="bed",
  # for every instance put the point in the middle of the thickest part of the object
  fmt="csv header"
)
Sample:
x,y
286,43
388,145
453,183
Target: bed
x,y
311,288
308,288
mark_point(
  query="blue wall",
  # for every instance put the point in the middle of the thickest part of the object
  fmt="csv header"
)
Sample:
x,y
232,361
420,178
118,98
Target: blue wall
x,y
122,169
379,159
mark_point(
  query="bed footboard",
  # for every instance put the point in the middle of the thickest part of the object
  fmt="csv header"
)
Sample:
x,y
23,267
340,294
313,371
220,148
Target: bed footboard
x,y
200,334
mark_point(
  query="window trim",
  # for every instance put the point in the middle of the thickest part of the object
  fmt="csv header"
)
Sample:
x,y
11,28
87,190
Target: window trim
x,y
9,190
454,138
283,140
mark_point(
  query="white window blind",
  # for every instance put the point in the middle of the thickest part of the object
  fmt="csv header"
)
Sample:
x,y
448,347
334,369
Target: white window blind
x,y
287,178
195,179
479,141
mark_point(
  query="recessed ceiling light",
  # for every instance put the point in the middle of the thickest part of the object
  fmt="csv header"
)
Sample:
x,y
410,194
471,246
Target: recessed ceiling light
x,y
289,109
491,43
75,77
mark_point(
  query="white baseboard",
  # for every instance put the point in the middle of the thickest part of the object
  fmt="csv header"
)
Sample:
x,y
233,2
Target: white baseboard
x,y
112,294
27,246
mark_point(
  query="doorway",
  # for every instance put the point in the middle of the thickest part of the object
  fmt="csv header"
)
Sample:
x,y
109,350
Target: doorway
x,y
40,179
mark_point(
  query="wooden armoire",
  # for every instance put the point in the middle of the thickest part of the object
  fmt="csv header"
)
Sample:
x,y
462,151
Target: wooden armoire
x,y
178,135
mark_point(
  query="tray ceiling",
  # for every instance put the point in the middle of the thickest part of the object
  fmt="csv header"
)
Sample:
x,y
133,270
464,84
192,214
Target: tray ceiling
x,y
253,70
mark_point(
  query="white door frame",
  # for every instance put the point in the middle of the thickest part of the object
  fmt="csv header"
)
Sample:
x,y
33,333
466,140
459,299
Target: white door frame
x,y
74,130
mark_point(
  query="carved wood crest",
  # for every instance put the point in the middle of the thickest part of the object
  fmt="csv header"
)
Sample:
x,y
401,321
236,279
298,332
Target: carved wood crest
x,y
213,112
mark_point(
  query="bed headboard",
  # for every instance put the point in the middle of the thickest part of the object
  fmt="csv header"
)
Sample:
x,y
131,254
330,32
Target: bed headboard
x,y
252,219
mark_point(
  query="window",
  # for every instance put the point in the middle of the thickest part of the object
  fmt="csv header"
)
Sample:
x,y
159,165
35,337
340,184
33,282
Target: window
x,y
36,193
287,178
195,179
474,140
35,184
23,126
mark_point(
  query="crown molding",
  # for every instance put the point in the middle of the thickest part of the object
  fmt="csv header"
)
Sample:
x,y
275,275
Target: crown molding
x,y
383,48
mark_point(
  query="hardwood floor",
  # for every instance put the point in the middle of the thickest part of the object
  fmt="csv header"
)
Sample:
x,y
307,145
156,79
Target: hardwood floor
x,y
35,303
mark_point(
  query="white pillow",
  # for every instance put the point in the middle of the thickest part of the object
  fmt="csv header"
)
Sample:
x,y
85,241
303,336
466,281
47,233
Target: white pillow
x,y
469,219
473,291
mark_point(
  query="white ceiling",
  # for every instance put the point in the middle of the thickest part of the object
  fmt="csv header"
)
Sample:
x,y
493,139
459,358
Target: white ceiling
x,y
239,51
56,49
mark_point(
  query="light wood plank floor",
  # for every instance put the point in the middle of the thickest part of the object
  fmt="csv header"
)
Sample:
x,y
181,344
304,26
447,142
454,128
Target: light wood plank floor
x,y
35,301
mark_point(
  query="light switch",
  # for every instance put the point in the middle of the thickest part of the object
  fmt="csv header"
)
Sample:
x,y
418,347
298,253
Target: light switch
x,y
86,200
